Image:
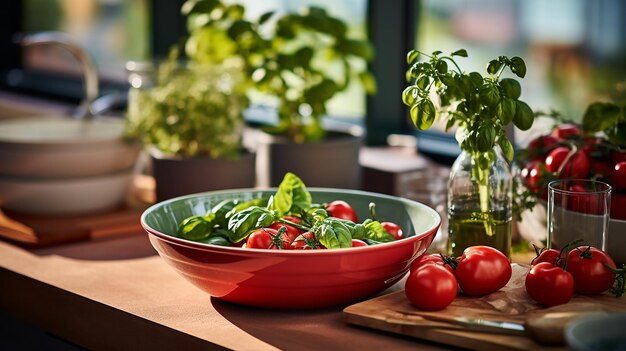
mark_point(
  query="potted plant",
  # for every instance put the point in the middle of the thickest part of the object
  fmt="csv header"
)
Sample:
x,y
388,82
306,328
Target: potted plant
x,y
191,117
288,57
480,194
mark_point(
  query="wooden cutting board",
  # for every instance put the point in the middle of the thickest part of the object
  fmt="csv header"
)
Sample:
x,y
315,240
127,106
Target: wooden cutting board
x,y
545,326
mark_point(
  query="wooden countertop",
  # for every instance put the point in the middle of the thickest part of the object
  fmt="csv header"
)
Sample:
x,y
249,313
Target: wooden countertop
x,y
117,293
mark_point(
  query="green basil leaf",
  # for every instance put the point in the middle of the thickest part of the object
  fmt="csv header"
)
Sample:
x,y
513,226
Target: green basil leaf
x,y
485,137
411,56
334,233
442,66
518,66
511,88
368,81
617,134
199,6
460,52
477,79
409,95
422,82
601,116
449,123
488,94
524,117
493,67
221,211
243,223
423,114
195,228
265,17
506,110
291,196
372,230
436,52
506,146
217,240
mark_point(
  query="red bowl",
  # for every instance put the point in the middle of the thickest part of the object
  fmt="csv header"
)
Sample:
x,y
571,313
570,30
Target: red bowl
x,y
298,278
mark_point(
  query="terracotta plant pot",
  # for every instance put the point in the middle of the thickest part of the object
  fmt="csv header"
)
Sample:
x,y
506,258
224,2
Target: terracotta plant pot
x,y
177,176
332,162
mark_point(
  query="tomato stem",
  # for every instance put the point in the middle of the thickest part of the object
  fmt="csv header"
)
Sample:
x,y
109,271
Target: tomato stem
x,y
372,208
294,224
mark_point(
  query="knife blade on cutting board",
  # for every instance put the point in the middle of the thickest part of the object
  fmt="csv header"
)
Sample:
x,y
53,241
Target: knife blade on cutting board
x,y
546,328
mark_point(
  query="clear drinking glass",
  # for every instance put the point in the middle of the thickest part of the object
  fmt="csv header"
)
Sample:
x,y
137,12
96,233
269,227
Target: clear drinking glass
x,y
578,209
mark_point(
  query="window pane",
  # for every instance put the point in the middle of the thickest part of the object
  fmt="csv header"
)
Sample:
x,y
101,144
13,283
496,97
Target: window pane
x,y
574,49
351,102
112,31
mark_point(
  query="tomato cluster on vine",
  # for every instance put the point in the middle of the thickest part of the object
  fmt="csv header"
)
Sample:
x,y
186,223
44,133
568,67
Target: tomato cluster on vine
x,y
568,152
555,275
434,279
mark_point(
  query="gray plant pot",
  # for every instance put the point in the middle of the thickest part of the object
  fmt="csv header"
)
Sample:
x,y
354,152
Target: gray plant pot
x,y
177,176
332,162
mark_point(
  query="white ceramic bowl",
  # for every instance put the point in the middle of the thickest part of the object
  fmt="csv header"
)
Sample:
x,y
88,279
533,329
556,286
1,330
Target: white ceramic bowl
x,y
597,333
58,147
65,196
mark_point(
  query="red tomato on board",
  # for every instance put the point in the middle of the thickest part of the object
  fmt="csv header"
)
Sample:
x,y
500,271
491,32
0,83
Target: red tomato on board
x,y
549,285
431,259
591,276
482,270
341,209
431,287
550,256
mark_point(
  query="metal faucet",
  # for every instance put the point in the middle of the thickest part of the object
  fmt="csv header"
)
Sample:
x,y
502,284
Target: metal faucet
x,y
88,68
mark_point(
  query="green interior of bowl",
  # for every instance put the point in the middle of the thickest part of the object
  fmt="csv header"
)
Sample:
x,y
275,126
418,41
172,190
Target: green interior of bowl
x,y
411,216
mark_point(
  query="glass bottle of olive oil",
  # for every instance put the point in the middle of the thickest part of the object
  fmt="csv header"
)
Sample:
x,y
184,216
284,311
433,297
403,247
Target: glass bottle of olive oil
x,y
479,204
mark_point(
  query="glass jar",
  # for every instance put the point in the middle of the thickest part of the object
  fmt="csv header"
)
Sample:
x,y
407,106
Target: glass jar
x,y
480,202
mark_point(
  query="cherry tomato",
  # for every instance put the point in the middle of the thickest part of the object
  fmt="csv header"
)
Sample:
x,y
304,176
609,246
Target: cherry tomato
x,y
264,238
548,255
591,276
431,288
619,176
393,229
482,270
549,285
341,209
577,166
306,241
290,235
565,131
539,147
531,175
435,258
358,243
618,206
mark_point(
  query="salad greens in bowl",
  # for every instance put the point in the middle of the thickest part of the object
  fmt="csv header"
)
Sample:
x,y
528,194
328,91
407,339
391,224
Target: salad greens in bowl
x,y
291,247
